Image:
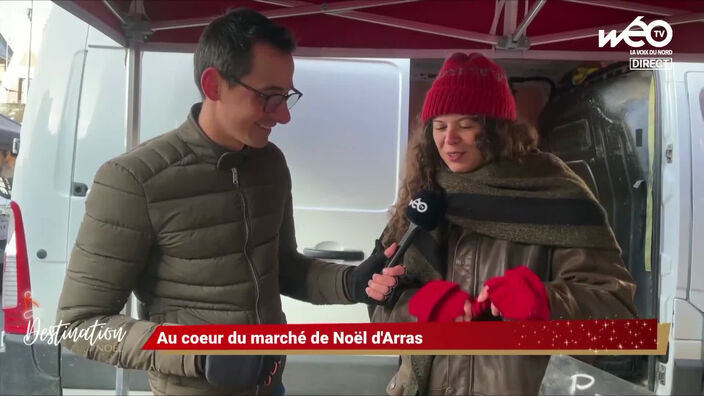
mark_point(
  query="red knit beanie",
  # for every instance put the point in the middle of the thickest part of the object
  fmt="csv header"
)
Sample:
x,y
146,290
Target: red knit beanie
x,y
470,84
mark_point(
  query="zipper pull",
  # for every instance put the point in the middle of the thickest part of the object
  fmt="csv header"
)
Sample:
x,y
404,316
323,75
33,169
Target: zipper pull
x,y
235,178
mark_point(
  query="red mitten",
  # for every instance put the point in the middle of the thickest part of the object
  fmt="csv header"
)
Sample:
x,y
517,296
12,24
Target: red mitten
x,y
438,301
520,295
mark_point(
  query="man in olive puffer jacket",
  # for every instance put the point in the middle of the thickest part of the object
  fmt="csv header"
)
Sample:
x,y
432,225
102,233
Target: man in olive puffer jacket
x,y
198,224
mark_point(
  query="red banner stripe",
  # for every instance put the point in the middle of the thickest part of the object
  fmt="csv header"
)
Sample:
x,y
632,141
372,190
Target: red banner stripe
x,y
570,335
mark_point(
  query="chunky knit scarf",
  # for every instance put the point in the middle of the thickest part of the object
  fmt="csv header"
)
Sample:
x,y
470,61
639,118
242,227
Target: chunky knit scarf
x,y
539,201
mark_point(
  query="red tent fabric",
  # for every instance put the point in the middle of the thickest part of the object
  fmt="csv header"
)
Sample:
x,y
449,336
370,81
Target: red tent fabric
x,y
559,29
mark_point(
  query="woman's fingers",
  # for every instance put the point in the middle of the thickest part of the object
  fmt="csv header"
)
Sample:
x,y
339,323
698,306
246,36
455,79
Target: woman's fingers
x,y
467,315
495,311
484,295
468,310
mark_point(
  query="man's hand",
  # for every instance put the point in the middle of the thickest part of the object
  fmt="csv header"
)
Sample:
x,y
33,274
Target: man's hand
x,y
359,277
382,285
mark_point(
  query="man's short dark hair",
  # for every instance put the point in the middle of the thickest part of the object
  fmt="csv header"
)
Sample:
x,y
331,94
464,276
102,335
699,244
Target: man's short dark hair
x,y
226,43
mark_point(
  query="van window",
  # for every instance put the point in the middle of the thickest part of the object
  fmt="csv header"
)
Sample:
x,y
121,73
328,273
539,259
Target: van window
x,y
168,91
343,137
342,143
100,129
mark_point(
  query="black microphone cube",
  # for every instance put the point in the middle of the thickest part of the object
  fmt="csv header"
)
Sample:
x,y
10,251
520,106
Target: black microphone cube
x,y
426,210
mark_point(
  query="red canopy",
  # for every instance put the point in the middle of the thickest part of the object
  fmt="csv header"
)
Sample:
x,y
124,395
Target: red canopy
x,y
555,29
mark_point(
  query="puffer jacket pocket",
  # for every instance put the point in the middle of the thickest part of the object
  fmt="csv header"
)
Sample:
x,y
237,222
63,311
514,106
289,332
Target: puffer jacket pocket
x,y
198,316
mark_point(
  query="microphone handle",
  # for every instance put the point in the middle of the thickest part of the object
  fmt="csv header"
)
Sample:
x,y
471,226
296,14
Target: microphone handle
x,y
403,245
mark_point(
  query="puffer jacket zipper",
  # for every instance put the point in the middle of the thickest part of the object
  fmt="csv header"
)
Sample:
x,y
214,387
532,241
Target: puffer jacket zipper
x,y
255,276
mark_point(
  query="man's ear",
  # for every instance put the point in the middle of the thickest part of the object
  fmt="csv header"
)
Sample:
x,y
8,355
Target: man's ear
x,y
210,82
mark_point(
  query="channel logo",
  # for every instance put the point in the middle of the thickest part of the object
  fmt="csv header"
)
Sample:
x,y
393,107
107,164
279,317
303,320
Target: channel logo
x,y
657,33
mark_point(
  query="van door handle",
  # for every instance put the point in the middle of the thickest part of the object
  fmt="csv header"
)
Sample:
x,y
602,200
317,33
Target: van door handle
x,y
345,255
79,189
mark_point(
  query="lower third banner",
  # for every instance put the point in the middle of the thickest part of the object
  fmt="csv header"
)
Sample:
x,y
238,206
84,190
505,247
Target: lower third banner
x,y
573,337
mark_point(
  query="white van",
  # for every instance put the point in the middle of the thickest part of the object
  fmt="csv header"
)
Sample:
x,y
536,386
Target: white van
x,y
635,137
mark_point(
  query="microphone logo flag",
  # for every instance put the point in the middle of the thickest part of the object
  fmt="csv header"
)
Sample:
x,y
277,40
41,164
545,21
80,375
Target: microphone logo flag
x,y
418,205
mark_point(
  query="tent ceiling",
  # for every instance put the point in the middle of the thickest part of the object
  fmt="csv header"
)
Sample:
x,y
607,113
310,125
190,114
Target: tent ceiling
x,y
561,29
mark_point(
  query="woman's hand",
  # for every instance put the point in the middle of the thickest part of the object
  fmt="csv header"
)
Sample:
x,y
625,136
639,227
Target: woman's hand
x,y
518,295
381,285
467,316
484,296
475,308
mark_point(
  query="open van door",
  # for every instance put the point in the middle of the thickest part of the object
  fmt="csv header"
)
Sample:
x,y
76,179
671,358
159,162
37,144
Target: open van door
x,y
681,371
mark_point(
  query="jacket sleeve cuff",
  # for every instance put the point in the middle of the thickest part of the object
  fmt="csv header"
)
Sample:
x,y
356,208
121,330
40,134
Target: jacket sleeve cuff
x,y
336,274
345,288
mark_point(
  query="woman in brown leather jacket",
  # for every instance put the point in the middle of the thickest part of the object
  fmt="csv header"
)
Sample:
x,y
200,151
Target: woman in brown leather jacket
x,y
523,236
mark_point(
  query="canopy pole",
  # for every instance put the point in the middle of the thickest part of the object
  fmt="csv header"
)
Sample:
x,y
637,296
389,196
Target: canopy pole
x,y
114,11
532,13
136,30
134,77
498,9
510,17
517,38
132,118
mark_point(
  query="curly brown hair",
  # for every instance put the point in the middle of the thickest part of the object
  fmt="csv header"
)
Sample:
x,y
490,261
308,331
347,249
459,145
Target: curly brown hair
x,y
501,139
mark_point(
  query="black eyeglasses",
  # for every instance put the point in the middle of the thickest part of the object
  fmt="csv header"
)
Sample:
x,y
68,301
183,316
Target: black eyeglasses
x,y
273,101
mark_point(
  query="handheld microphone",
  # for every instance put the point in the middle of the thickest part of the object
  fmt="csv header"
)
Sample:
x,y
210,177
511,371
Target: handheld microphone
x,y
425,212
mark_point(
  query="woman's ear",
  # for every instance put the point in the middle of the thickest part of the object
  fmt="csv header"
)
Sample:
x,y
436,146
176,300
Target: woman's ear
x,y
210,83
